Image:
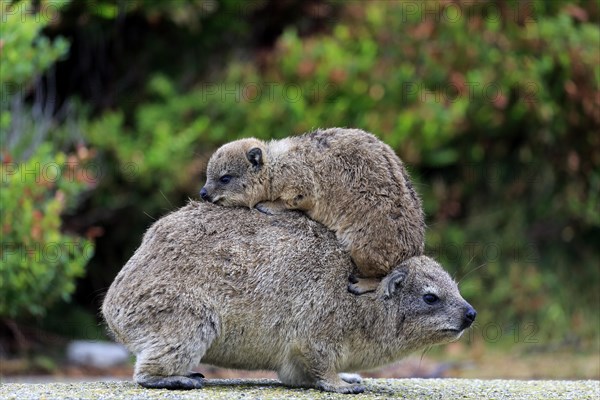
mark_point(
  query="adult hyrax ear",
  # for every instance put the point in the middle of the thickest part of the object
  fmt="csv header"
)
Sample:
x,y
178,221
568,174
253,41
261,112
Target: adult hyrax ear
x,y
254,155
394,281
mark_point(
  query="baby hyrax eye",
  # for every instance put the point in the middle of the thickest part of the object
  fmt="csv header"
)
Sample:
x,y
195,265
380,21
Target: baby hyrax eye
x,y
430,298
225,179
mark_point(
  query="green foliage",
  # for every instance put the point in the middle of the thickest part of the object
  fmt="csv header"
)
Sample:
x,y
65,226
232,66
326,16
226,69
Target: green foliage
x,y
25,53
39,262
492,105
496,114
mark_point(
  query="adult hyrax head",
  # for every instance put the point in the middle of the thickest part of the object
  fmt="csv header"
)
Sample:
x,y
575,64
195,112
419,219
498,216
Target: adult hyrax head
x,y
240,289
430,300
235,176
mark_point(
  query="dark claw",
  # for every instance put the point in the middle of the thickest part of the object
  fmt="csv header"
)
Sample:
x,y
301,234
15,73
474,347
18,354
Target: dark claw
x,y
196,375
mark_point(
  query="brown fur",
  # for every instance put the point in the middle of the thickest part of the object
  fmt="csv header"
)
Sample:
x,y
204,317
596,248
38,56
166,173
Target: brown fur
x,y
346,179
237,288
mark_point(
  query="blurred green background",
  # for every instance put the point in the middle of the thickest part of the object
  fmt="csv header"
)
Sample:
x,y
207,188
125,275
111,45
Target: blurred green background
x,y
110,110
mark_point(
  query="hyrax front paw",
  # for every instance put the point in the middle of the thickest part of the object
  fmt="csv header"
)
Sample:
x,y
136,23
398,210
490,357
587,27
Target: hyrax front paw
x,y
350,378
343,388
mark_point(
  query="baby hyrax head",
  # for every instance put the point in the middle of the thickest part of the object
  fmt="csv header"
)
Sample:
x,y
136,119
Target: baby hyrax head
x,y
431,306
236,176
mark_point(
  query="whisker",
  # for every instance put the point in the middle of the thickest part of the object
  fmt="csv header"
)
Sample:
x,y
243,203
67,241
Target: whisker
x,y
99,293
425,350
163,195
473,270
466,266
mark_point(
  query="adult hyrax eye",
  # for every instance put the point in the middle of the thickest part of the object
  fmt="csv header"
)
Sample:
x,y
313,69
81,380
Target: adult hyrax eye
x,y
430,298
225,179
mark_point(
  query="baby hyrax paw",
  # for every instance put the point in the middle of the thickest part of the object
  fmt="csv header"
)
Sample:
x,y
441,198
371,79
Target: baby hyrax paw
x,y
360,286
271,207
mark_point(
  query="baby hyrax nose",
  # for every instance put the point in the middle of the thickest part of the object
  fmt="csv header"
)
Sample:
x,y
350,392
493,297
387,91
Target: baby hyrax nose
x,y
204,194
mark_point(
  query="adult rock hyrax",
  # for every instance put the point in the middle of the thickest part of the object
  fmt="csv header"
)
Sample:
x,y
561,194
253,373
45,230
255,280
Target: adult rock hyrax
x,y
236,288
346,179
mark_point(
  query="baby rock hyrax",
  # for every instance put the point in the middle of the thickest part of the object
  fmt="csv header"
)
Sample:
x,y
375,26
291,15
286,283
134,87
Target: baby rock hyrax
x,y
240,289
346,179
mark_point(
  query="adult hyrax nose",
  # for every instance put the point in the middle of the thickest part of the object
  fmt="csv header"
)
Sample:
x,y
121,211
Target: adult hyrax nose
x,y
204,194
470,315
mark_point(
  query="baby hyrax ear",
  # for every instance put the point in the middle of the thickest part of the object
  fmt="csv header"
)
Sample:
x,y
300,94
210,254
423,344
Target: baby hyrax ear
x,y
394,281
254,155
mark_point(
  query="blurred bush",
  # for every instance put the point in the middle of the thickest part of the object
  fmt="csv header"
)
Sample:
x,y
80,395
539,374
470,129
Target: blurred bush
x,y
26,53
493,105
39,183
39,262
494,108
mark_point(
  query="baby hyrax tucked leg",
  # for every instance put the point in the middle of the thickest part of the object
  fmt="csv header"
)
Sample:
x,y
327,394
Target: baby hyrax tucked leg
x,y
294,201
271,207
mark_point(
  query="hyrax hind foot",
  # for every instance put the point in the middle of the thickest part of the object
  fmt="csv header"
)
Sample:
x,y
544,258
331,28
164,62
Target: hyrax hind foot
x,y
360,286
176,382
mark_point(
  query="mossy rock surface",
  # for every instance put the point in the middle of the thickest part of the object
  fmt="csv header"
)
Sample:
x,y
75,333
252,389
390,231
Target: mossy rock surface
x,y
270,389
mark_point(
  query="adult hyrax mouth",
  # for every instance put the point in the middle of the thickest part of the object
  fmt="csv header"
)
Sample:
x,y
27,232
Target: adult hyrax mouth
x,y
217,200
451,334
